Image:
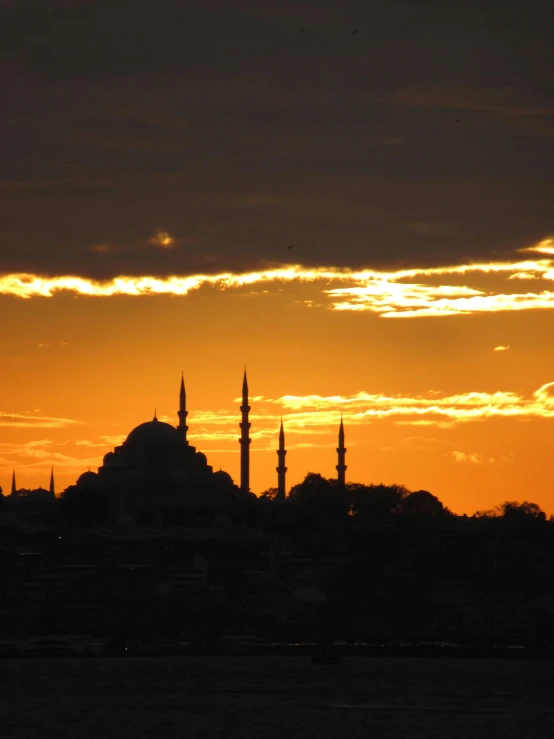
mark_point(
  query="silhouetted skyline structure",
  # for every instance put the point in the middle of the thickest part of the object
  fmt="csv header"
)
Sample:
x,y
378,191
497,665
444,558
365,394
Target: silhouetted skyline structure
x,y
245,439
281,468
183,413
156,445
341,451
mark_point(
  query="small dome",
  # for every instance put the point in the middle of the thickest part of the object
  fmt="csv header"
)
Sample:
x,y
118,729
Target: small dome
x,y
223,479
87,480
153,433
113,460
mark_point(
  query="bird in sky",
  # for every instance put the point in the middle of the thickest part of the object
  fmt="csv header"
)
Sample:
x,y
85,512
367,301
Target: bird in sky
x,y
354,32
457,120
290,247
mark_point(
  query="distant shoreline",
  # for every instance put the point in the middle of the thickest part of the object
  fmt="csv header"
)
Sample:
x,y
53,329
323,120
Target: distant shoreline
x,y
438,651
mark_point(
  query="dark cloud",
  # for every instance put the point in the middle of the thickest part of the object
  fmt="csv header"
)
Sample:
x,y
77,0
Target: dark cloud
x,y
225,126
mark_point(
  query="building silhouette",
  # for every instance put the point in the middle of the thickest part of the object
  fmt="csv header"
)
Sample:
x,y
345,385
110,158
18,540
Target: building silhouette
x,y
156,469
341,451
183,413
157,472
281,469
245,439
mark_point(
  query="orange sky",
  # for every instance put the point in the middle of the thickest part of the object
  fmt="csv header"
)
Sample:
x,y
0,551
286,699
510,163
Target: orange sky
x,y
157,165
444,396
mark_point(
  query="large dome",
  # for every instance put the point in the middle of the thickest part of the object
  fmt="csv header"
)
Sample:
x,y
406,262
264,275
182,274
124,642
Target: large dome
x,y
153,433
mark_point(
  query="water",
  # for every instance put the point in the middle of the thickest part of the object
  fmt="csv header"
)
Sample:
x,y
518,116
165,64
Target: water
x,y
276,697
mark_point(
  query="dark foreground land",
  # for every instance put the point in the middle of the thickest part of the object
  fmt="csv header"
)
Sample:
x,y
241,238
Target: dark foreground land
x,y
277,698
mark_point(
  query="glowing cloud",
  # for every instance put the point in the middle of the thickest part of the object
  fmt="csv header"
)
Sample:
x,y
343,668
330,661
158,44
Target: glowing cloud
x,y
501,348
429,409
318,416
472,458
42,453
44,422
408,293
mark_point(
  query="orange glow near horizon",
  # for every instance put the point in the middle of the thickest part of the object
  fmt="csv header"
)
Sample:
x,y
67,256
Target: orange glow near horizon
x,y
459,402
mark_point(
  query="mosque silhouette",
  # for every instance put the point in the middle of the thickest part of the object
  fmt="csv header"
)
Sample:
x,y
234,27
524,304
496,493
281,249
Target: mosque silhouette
x,y
156,471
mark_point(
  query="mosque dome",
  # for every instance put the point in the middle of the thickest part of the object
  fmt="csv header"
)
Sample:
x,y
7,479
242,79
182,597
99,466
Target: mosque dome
x,y
87,480
223,477
153,433
223,481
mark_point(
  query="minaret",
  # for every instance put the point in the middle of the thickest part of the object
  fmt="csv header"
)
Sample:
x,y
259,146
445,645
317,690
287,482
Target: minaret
x,y
14,486
244,439
52,491
281,469
341,451
182,412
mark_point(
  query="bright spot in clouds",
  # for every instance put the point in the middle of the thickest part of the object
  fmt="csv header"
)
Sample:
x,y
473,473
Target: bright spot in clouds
x,y
501,348
163,239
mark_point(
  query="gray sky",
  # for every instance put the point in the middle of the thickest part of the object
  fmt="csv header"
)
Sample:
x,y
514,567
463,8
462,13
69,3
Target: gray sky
x,y
425,137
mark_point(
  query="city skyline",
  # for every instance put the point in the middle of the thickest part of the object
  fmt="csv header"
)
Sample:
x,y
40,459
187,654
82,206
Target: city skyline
x,y
310,419
244,440
362,219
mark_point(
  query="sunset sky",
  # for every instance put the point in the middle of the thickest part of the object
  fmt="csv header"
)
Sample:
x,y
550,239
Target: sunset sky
x,y
158,159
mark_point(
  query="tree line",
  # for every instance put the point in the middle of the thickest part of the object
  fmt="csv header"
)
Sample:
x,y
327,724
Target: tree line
x,y
326,497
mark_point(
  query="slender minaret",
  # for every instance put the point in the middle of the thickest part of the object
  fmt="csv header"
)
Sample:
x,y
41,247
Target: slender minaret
x,y
244,439
182,412
52,491
14,486
281,469
341,451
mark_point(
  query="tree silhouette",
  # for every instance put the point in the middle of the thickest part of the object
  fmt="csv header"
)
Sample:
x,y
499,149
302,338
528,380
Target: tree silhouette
x,y
514,511
522,511
269,494
321,496
371,501
423,503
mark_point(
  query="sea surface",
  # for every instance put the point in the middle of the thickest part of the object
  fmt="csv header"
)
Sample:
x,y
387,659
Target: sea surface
x,y
276,698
